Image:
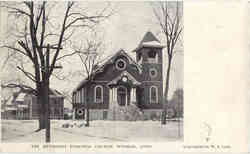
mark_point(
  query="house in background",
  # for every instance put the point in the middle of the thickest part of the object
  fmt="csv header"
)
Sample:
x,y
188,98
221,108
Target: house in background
x,y
122,81
24,106
15,107
8,111
56,105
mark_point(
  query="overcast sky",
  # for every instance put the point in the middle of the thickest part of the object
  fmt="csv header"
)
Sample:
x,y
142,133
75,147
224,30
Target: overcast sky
x,y
123,30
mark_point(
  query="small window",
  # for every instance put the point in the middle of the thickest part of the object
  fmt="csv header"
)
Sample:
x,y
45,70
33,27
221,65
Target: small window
x,y
98,94
152,72
120,64
139,56
153,94
151,54
152,57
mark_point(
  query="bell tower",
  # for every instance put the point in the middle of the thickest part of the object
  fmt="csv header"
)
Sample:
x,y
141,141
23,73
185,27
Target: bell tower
x,y
149,56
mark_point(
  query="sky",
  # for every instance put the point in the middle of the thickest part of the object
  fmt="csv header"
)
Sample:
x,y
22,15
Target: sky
x,y
123,30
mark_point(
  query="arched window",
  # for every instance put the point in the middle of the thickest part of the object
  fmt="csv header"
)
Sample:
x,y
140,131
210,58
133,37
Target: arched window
x,y
82,96
153,94
98,94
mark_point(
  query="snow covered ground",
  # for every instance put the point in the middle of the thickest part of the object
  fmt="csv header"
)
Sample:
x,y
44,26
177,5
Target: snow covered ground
x,y
99,131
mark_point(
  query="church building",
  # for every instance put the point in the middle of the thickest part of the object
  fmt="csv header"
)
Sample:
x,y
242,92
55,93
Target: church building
x,y
121,82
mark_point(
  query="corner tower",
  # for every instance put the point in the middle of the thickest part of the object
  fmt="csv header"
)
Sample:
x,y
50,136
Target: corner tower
x,y
149,55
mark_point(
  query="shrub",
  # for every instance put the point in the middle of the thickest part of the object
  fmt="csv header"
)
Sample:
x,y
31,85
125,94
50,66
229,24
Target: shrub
x,y
153,116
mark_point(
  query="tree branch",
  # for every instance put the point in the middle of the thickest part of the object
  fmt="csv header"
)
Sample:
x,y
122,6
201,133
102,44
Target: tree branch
x,y
67,55
22,87
15,10
27,74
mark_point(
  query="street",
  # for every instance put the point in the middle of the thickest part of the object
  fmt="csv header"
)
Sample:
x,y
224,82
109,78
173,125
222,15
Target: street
x,y
99,131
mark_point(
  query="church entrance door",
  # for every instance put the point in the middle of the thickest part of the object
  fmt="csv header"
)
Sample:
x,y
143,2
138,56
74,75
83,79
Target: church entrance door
x,y
122,95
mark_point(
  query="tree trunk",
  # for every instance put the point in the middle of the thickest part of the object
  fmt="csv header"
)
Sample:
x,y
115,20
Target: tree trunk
x,y
41,117
47,102
87,118
40,102
87,110
164,113
87,113
47,116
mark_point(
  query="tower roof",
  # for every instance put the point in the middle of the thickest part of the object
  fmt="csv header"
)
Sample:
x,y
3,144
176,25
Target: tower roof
x,y
149,37
149,40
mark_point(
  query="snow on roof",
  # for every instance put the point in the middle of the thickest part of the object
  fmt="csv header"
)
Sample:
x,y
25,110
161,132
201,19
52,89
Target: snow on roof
x,y
22,105
10,109
20,97
149,40
152,44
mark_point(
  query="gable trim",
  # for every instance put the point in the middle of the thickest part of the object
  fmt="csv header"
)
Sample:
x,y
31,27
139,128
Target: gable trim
x,y
124,73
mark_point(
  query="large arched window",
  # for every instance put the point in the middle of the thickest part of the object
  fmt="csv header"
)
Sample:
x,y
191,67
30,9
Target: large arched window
x,y
98,94
153,94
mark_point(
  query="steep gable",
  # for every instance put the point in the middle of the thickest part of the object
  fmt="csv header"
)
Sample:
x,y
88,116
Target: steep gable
x,y
102,66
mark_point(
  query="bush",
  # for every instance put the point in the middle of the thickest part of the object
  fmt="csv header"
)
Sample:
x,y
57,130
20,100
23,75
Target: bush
x,y
128,113
171,113
153,116
132,113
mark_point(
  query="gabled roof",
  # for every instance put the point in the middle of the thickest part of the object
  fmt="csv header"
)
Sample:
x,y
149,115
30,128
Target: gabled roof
x,y
110,60
149,40
149,37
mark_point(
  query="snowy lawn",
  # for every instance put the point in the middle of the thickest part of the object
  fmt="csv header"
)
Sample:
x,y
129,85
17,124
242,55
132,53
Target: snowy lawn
x,y
99,131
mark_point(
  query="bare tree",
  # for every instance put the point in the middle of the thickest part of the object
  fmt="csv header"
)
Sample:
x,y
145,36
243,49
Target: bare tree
x,y
90,53
169,17
33,35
